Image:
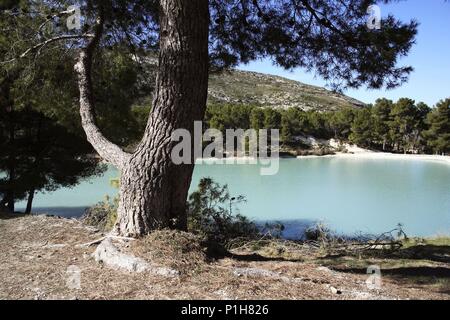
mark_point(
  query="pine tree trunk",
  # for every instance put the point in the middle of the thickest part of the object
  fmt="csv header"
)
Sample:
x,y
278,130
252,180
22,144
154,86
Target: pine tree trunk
x,y
10,196
9,199
30,201
153,191
7,203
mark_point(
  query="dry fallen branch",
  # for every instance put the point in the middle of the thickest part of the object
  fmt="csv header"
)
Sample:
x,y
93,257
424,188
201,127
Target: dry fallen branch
x,y
326,241
91,243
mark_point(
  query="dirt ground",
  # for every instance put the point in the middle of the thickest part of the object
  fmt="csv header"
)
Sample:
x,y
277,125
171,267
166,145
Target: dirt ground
x,y
41,258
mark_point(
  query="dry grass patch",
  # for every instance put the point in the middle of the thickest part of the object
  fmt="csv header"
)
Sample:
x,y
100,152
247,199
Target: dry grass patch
x,y
181,251
37,250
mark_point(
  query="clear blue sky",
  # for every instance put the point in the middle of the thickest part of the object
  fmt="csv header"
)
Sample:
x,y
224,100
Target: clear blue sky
x,y
430,56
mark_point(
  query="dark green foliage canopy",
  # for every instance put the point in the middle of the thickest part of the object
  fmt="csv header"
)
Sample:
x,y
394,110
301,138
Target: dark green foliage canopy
x,y
329,37
42,143
362,128
438,135
45,155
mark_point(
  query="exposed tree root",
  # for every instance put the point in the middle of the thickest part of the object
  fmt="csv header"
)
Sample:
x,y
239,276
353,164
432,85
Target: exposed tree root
x,y
108,254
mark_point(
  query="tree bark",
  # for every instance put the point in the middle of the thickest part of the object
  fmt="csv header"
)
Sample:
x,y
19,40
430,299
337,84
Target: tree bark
x,y
30,201
10,196
7,203
106,149
153,190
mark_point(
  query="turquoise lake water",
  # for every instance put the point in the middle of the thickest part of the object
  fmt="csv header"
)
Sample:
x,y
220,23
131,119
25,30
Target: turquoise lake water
x,y
350,195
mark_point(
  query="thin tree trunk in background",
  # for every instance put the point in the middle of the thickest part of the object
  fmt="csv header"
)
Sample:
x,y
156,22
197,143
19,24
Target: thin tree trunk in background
x,y
30,201
10,201
153,191
11,160
7,203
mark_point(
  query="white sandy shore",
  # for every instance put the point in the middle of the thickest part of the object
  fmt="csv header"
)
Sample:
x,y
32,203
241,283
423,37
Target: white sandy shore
x,y
356,152
360,154
388,156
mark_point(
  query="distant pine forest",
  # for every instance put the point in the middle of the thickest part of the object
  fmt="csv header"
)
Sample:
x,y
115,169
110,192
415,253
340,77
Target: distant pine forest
x,y
403,126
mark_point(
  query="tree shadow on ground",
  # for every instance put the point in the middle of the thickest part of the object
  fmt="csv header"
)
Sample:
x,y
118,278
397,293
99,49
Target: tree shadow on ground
x,y
254,257
427,252
436,253
417,265
8,216
439,277
438,272
215,251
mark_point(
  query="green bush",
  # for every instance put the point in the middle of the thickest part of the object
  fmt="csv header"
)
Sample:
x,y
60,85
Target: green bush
x,y
273,230
318,232
103,215
209,214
